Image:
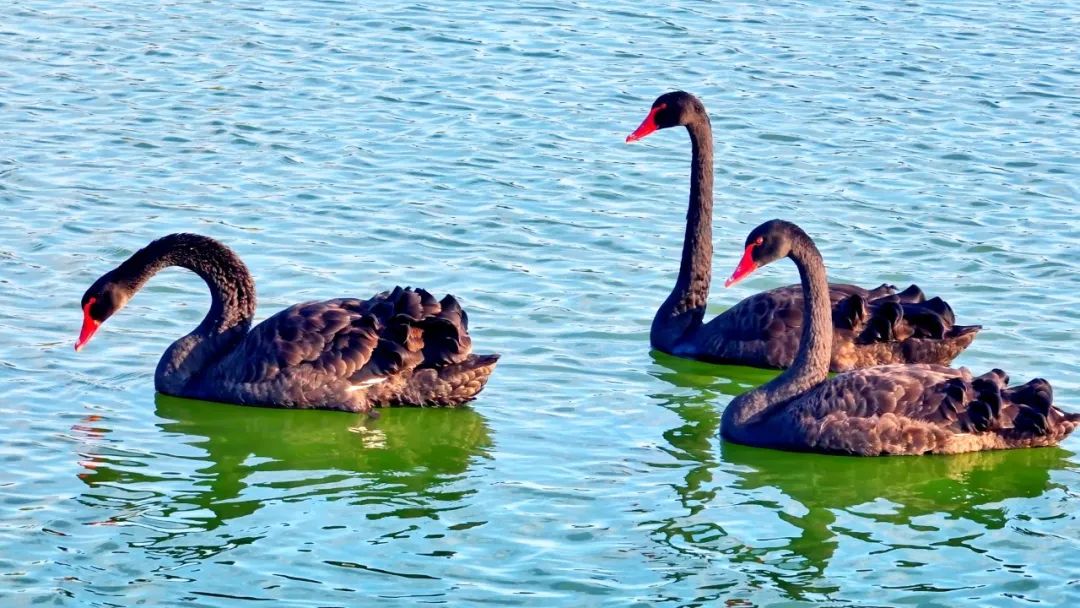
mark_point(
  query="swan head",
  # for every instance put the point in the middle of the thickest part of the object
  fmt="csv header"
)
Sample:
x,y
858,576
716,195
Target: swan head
x,y
677,108
764,245
104,298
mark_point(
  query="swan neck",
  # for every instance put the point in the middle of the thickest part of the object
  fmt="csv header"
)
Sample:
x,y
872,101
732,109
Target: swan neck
x,y
232,302
811,365
684,309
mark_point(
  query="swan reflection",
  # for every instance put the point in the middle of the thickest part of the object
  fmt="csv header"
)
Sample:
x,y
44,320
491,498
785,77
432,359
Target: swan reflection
x,y
782,517
211,465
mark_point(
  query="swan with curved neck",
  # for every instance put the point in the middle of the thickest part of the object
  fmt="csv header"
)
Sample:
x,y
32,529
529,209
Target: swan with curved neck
x,y
400,347
873,326
884,410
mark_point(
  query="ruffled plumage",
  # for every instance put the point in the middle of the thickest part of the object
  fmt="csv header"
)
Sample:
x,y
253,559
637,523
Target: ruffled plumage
x,y
870,327
887,409
918,409
400,347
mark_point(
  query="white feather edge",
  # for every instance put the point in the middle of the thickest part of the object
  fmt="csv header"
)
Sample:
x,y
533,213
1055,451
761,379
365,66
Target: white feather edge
x,y
365,384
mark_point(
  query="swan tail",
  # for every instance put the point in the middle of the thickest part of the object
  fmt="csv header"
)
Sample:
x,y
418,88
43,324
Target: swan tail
x,y
462,381
1003,417
921,330
450,385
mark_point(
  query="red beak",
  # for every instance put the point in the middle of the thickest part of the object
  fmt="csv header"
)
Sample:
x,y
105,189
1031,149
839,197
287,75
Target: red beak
x,y
647,126
745,267
89,326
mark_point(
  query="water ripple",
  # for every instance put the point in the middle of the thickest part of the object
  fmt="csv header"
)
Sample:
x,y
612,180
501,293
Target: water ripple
x,y
476,148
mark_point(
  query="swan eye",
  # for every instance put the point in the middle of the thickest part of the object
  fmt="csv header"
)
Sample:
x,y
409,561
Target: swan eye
x,y
759,240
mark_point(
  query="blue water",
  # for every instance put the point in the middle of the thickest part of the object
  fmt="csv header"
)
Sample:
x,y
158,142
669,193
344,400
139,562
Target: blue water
x,y
477,148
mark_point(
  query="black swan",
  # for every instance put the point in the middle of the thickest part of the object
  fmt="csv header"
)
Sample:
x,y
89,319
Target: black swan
x,y
872,326
401,347
884,410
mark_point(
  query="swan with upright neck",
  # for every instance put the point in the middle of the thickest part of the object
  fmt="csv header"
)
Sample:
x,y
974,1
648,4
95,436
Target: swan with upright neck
x,y
883,410
400,347
872,326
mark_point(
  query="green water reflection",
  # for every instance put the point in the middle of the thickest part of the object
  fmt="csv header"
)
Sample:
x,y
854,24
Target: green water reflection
x,y
814,492
218,463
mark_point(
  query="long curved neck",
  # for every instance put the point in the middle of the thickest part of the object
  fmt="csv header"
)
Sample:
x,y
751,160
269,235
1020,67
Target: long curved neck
x,y
232,302
811,365
684,309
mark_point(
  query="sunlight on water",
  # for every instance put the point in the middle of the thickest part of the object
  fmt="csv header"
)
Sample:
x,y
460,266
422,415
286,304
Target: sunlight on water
x,y
476,148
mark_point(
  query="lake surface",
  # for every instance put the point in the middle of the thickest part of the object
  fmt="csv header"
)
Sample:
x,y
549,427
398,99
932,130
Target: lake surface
x,y
477,148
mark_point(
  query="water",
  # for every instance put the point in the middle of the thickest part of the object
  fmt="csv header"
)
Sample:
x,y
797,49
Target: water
x,y
477,148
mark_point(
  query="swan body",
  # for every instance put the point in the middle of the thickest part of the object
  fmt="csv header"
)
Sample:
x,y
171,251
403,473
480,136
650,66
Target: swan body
x,y
400,347
882,410
872,326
